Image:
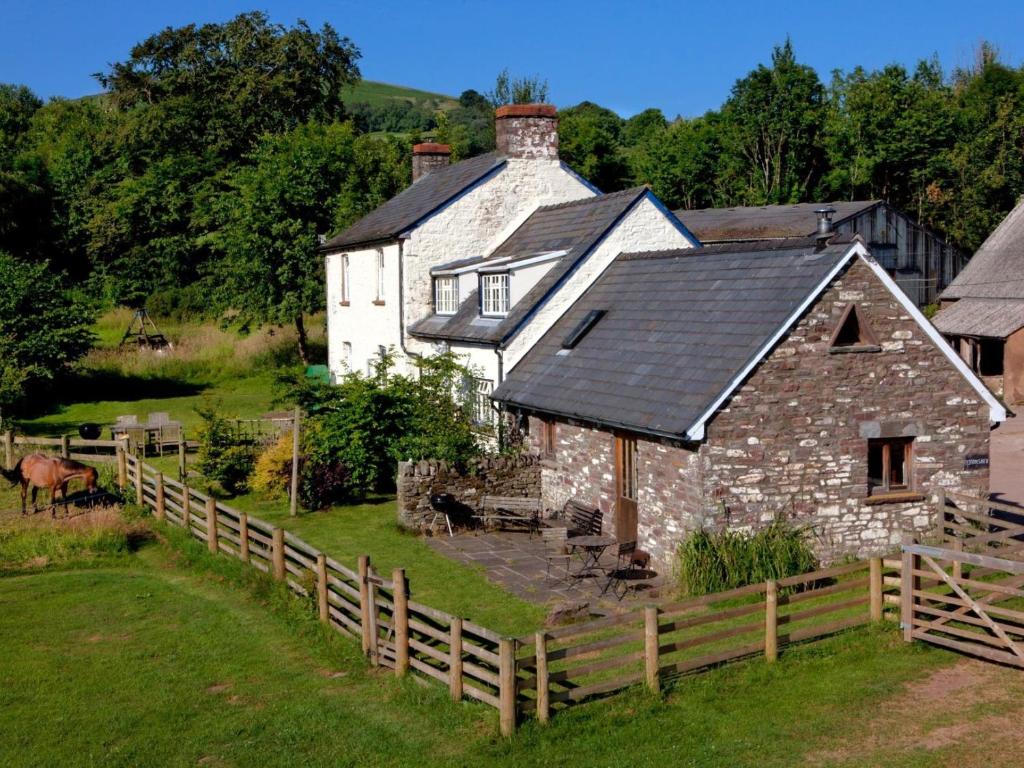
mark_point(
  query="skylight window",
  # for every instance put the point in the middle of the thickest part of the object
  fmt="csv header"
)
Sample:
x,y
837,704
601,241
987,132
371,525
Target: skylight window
x,y
582,328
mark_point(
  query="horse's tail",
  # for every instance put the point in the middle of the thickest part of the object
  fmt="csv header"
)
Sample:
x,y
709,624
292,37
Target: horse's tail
x,y
13,476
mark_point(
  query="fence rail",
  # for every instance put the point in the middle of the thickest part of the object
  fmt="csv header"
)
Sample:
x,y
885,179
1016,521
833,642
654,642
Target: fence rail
x,y
538,673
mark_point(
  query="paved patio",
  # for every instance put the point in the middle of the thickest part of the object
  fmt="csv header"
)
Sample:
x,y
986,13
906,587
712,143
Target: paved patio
x,y
516,561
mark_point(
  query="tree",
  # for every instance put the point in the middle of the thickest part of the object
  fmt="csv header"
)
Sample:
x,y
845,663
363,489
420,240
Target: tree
x,y
589,140
529,89
680,162
300,184
43,330
221,86
770,131
190,105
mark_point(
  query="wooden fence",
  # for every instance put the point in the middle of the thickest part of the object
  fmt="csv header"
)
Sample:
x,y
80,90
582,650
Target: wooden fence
x,y
67,446
953,593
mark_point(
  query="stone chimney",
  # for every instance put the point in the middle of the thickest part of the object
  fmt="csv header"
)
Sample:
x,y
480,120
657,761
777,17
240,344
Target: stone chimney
x,y
429,157
527,131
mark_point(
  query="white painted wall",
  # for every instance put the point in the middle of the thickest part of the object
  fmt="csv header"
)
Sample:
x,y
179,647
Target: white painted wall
x,y
468,226
645,228
363,324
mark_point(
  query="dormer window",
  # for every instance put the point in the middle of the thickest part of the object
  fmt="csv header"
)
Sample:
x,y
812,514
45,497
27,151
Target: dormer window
x,y
494,294
853,334
446,295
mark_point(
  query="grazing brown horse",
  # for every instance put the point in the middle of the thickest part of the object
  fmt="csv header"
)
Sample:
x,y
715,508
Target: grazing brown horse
x,y
51,472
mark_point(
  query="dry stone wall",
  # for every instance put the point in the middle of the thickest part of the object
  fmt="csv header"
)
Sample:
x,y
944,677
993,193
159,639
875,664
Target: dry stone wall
x,y
517,476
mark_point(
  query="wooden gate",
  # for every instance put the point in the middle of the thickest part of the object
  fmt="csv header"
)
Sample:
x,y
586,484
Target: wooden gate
x,y
967,593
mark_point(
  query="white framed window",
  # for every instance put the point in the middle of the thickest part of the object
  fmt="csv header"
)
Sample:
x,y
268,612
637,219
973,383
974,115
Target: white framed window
x,y
344,278
346,355
480,402
380,275
446,295
494,294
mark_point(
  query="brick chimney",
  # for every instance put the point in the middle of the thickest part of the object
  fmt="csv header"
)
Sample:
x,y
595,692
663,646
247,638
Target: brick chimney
x,y
429,157
527,131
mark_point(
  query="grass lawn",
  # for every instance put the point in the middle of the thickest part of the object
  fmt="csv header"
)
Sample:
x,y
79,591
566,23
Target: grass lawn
x,y
169,657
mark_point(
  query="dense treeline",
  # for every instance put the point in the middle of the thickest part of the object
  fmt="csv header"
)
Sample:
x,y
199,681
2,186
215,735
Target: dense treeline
x,y
202,176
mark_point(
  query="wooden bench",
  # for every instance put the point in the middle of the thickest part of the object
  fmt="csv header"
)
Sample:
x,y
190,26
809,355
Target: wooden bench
x,y
582,519
510,512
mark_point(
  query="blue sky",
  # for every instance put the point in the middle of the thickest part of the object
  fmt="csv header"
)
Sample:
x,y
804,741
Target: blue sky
x,y
680,56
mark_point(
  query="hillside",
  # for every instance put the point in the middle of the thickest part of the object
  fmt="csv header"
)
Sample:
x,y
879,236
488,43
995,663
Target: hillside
x,y
378,94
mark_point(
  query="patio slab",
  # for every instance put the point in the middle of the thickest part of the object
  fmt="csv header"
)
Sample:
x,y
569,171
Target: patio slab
x,y
517,562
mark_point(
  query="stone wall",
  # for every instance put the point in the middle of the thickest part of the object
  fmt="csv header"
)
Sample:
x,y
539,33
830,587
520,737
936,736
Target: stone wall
x,y
583,467
793,439
488,476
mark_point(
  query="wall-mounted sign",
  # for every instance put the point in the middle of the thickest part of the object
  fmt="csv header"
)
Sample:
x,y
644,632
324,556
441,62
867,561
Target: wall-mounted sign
x,y
975,461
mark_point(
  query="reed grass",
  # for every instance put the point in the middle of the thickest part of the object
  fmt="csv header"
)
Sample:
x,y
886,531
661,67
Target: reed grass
x,y
721,560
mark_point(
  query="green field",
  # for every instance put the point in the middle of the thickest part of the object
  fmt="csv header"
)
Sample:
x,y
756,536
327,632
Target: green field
x,y
376,93
170,657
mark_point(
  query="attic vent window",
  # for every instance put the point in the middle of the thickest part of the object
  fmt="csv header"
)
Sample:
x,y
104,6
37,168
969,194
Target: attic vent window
x,y
582,328
853,334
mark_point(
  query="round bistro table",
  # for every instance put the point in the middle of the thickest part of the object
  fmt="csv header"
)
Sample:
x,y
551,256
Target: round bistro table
x,y
593,547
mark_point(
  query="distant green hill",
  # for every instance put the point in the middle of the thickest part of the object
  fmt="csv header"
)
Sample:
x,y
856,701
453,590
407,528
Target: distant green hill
x,y
374,93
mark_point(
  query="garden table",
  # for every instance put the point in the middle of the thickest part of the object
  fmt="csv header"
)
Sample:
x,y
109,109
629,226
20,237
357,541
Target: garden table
x,y
593,548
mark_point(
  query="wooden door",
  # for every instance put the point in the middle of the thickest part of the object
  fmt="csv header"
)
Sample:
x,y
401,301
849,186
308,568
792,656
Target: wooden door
x,y
625,488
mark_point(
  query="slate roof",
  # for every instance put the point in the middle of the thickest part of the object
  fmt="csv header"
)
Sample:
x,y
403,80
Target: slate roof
x,y
996,271
765,222
573,227
993,318
416,201
679,327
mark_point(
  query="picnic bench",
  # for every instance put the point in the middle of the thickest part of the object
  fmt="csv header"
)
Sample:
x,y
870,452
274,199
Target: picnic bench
x,y
510,512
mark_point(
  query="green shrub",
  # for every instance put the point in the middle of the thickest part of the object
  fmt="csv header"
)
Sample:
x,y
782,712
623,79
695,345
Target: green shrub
x,y
358,430
222,457
713,562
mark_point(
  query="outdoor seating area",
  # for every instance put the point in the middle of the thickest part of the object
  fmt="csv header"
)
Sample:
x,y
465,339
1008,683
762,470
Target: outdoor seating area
x,y
570,560
158,433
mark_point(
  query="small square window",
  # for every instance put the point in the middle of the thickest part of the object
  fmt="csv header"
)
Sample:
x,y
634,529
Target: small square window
x,y
494,294
890,465
446,295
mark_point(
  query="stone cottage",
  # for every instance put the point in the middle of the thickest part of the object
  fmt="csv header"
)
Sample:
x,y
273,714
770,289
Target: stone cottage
x,y
482,256
729,385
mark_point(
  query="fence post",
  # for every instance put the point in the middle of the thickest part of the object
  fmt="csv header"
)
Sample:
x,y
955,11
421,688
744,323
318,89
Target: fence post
x,y
122,467
455,659
543,684
907,586
8,450
211,525
401,618
186,509
65,447
321,588
293,500
958,566
507,686
139,498
771,621
364,601
182,469
161,509
875,585
243,537
277,554
651,647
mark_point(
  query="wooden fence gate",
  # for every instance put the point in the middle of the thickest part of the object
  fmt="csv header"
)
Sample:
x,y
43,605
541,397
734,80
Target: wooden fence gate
x,y
967,593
